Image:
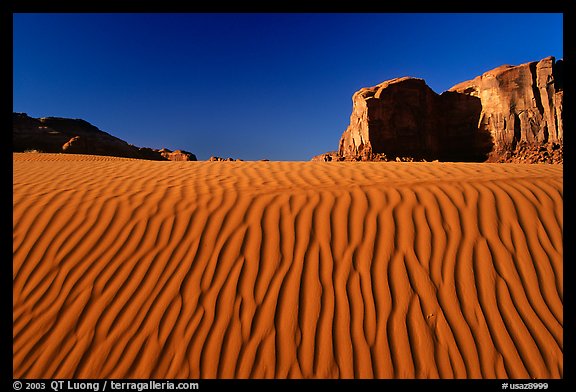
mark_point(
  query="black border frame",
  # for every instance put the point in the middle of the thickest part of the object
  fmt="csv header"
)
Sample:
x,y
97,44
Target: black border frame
x,y
566,7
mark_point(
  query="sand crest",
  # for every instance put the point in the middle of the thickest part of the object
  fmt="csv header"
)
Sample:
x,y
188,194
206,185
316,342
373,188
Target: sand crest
x,y
129,268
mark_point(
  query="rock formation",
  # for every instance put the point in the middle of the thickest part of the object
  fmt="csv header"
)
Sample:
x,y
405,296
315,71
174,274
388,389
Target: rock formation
x,y
75,145
75,136
327,157
220,159
520,103
524,152
332,156
177,155
473,121
403,117
32,134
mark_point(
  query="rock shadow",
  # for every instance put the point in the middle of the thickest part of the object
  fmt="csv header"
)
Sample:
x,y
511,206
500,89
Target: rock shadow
x,y
460,137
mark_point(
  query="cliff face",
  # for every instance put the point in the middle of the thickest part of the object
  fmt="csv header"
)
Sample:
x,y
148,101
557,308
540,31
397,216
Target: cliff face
x,y
390,117
404,117
75,136
520,103
472,121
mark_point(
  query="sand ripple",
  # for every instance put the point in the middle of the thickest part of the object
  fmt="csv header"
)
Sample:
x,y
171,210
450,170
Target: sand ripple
x,y
128,268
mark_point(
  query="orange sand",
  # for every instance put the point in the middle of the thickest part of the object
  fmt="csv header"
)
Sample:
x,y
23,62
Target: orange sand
x,y
129,268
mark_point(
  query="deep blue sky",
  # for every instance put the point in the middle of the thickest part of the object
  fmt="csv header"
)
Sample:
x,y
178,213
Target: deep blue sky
x,y
251,86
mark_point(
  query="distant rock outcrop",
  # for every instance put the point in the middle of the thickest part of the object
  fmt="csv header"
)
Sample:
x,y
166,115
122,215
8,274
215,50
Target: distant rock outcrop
x,y
75,136
482,119
177,155
327,157
75,145
220,159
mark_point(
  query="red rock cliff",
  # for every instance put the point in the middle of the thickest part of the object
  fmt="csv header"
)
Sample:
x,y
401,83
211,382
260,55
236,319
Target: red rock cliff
x,y
520,103
470,122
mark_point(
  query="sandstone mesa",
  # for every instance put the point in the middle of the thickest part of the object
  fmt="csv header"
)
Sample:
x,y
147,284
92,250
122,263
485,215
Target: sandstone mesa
x,y
510,113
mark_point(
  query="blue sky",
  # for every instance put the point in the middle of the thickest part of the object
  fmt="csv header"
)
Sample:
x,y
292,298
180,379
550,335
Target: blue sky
x,y
251,86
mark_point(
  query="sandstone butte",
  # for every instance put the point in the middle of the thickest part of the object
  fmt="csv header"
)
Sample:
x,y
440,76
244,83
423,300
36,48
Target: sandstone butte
x,y
506,111
76,136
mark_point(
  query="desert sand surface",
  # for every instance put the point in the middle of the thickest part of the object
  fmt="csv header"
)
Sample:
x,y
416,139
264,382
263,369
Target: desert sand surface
x,y
126,268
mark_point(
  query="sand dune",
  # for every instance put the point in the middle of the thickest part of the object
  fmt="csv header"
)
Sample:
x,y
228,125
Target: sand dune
x,y
129,268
